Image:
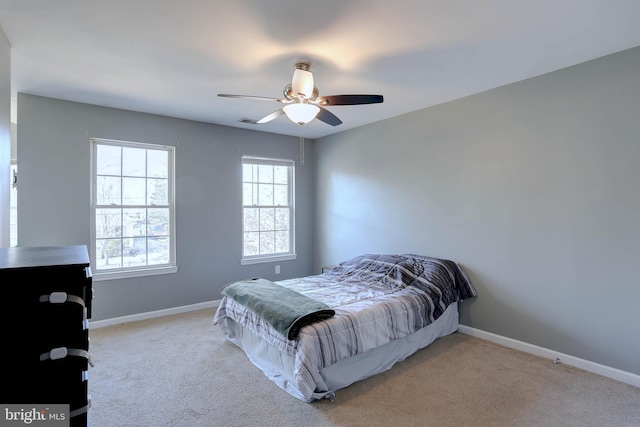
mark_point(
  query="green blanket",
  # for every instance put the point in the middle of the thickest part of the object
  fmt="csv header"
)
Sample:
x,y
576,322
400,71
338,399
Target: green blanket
x,y
286,310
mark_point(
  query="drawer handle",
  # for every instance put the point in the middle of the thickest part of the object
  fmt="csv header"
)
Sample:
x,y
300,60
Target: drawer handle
x,y
82,410
62,352
61,298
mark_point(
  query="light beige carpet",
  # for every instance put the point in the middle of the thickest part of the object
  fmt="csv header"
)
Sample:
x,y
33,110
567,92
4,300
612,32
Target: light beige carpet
x,y
180,371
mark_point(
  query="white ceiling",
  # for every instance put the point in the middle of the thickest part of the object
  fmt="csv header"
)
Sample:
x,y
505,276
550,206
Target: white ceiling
x,y
172,57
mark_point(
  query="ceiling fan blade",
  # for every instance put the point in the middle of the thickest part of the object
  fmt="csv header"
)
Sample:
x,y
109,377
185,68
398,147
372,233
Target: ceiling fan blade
x,y
271,116
349,99
328,117
255,98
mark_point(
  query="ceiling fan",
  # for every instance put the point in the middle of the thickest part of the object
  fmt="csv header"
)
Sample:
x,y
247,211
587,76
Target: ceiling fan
x,y
303,103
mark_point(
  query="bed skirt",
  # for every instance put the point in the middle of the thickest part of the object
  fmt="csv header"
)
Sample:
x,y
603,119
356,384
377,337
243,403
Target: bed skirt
x,y
279,367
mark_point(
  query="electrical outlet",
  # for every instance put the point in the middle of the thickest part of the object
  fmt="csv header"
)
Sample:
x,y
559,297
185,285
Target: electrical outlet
x,y
277,269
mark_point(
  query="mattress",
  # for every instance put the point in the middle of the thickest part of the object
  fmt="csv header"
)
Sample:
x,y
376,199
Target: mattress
x,y
386,307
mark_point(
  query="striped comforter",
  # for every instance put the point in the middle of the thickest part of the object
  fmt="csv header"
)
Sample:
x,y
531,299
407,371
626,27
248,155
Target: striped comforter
x,y
377,298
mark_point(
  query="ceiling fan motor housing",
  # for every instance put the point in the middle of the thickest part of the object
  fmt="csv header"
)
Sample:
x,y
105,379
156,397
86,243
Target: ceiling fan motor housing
x,y
289,94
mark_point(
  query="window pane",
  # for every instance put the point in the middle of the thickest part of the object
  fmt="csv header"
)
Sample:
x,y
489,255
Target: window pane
x,y
108,223
248,172
108,190
247,194
108,158
158,250
138,246
254,190
135,252
265,174
157,192
282,219
282,241
251,243
158,221
251,219
280,195
267,219
267,242
133,191
134,161
265,195
109,253
280,175
157,163
134,222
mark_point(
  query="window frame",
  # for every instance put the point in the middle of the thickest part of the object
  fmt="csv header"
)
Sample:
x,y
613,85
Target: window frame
x,y
137,271
280,256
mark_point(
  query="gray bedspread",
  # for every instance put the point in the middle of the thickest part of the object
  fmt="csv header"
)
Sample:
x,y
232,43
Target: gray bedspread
x,y
376,298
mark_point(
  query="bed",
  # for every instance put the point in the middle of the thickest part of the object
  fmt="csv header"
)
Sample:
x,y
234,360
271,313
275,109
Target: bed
x,y
367,313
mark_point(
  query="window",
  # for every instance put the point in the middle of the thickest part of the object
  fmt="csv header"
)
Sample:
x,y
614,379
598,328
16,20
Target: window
x,y
133,209
267,210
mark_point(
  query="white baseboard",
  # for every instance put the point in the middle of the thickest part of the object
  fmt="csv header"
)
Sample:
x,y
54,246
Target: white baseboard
x,y
556,357
152,314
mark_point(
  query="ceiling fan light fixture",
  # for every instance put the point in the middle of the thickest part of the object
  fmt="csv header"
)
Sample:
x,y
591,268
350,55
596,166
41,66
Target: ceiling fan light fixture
x,y
301,113
302,82
302,103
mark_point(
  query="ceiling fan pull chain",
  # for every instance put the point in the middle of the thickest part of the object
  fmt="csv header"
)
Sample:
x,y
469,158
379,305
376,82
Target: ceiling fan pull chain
x,y
301,145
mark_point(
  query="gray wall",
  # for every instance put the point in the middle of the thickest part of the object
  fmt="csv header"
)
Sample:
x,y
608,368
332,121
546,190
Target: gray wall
x,y
54,197
5,136
533,188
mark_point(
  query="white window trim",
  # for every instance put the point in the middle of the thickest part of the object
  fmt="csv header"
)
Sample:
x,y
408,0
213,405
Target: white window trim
x,y
258,259
121,274
124,273
267,258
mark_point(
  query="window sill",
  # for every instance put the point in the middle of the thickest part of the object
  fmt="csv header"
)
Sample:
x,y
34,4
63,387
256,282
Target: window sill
x,y
275,258
107,275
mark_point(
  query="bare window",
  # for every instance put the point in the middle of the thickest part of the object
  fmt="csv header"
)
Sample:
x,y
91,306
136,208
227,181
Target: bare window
x,y
133,208
267,209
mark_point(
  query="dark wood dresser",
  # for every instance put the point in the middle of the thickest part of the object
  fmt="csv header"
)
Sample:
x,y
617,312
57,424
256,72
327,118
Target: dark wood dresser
x,y
46,304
